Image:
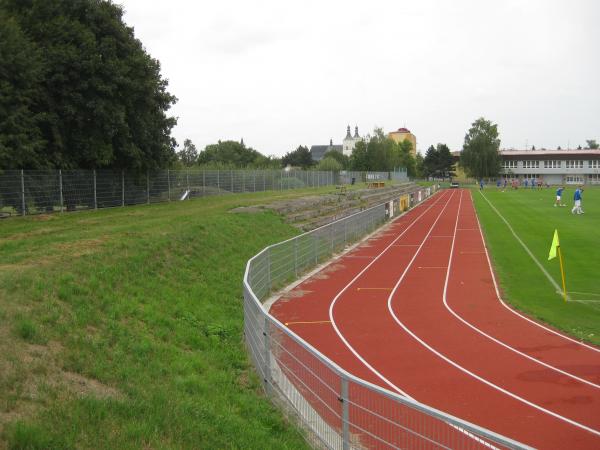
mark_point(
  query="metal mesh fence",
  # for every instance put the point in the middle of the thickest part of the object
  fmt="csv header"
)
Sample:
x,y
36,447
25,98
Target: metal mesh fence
x,y
45,191
341,410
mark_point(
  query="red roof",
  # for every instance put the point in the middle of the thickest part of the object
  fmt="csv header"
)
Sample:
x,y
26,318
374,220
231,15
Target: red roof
x,y
403,130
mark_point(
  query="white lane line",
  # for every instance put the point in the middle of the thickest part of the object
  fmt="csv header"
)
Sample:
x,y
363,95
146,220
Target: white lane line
x,y
550,330
499,342
554,283
335,299
477,377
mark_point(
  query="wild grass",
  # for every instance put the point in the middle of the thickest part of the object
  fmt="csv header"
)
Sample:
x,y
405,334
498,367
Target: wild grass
x,y
534,218
123,328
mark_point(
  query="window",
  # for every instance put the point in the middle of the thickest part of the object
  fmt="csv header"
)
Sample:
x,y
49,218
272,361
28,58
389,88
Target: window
x,y
594,163
594,178
531,164
574,179
551,164
575,164
509,164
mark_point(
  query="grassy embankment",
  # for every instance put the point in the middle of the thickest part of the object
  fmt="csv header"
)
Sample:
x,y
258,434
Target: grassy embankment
x,y
123,328
533,218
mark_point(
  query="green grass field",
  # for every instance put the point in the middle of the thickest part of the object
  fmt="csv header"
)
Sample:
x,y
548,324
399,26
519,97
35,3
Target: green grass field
x,y
534,219
123,329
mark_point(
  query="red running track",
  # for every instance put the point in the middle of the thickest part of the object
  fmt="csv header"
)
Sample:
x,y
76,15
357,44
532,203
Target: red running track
x,y
415,309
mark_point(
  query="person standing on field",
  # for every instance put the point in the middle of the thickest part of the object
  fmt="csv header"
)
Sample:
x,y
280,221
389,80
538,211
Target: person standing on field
x,y
577,197
559,192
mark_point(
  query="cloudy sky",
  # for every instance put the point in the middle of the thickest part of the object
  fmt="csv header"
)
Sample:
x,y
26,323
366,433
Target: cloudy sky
x,y
285,73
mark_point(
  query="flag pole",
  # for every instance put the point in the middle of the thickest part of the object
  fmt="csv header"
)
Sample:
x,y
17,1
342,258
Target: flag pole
x,y
562,272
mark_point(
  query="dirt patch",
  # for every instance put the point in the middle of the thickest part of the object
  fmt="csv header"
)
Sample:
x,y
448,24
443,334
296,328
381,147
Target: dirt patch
x,y
80,248
43,217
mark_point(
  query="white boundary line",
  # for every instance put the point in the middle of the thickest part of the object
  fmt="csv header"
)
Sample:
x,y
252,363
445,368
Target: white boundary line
x,y
516,312
497,341
335,299
542,268
477,377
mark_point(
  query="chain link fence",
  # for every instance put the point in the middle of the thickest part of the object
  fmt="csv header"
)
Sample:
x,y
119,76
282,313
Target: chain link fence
x,y
340,410
45,191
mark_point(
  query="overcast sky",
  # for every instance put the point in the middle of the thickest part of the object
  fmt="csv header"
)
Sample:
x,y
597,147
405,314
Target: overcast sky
x,y
285,73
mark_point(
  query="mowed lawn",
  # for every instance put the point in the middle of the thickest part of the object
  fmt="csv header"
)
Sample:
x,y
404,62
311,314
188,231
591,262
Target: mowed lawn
x,y
123,329
534,218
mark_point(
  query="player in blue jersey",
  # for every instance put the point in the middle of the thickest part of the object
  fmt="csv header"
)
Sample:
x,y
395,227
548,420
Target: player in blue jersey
x,y
559,192
577,197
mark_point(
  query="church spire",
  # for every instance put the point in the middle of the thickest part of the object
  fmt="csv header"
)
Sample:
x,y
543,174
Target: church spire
x,y
348,134
356,136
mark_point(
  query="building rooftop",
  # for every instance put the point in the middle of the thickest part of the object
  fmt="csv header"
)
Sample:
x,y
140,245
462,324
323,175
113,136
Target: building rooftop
x,y
318,151
544,152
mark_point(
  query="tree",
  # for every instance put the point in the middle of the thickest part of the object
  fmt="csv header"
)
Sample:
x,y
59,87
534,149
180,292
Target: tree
x,y
189,155
300,157
480,156
100,100
228,154
438,162
358,158
558,148
342,159
329,164
21,142
419,166
591,143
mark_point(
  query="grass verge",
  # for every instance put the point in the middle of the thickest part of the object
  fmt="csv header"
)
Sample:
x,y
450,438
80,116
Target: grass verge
x,y
123,328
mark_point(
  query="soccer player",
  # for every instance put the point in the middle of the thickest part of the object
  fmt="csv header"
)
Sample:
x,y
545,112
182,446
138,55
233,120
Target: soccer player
x,y
577,197
559,192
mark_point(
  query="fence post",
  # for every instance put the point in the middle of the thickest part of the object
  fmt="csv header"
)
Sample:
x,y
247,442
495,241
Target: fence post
x,y
269,284
22,192
296,257
60,190
95,192
231,178
187,178
169,184
218,181
345,414
267,356
254,184
243,181
203,183
345,233
122,188
147,186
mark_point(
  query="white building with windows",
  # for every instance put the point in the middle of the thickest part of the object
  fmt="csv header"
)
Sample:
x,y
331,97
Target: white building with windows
x,y
552,166
350,141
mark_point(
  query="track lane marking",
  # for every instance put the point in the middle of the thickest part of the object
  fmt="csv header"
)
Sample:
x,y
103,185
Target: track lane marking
x,y
332,304
467,371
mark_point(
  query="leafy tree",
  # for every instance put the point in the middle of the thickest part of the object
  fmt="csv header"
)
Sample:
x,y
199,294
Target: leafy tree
x,y
438,162
228,154
579,147
342,159
329,164
300,157
480,157
100,100
359,159
533,147
591,143
188,155
558,148
21,142
419,166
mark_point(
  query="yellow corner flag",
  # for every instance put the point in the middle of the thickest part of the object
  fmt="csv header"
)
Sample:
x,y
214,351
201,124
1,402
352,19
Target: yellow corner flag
x,y
554,246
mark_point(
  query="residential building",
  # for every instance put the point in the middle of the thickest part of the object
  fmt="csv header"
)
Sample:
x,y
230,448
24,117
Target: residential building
x,y
404,134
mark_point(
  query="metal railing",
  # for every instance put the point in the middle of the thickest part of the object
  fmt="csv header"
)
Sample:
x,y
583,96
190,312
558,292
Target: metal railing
x,y
340,410
44,191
